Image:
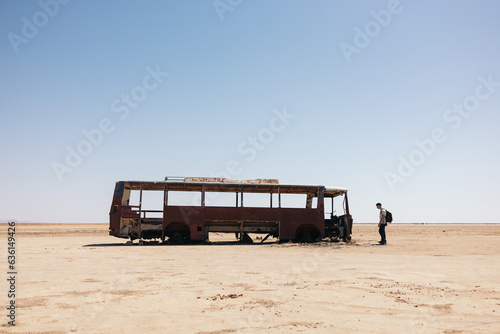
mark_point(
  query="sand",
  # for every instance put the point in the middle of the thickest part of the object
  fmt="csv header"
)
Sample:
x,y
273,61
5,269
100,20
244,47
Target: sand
x,y
427,279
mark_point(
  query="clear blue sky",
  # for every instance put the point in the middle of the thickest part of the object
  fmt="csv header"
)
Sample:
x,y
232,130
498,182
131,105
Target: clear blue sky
x,y
364,81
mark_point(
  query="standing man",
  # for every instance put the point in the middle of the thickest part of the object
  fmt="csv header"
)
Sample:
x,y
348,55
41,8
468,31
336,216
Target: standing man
x,y
382,223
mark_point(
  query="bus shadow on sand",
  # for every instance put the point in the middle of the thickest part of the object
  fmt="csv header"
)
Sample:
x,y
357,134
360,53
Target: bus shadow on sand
x,y
216,243
223,243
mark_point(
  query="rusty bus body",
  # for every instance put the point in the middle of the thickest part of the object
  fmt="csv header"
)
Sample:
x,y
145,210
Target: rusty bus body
x,y
183,223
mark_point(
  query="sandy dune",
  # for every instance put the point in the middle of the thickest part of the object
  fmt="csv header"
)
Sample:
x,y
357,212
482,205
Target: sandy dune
x,y
428,279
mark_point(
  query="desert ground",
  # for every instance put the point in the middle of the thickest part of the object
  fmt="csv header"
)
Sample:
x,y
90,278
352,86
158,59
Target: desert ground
x,y
427,279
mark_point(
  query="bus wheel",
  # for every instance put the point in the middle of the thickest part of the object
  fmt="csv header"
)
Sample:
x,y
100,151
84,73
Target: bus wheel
x,y
306,236
177,238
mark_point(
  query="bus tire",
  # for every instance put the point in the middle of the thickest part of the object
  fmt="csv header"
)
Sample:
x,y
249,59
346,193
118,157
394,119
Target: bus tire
x,y
306,236
177,233
177,238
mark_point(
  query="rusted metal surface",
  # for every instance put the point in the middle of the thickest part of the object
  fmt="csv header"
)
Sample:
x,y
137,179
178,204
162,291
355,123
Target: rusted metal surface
x,y
223,180
232,187
194,223
349,217
288,219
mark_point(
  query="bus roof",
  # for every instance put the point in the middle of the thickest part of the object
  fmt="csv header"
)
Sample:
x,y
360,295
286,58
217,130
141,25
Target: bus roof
x,y
227,185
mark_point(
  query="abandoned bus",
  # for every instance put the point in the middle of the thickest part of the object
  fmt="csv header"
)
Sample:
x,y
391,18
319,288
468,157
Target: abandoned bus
x,y
241,213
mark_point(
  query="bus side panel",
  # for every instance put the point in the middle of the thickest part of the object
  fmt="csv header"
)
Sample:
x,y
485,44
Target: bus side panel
x,y
293,219
114,216
191,216
289,219
115,210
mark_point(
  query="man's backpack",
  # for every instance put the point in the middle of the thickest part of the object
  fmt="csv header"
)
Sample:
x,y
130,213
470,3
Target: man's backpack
x,y
388,216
